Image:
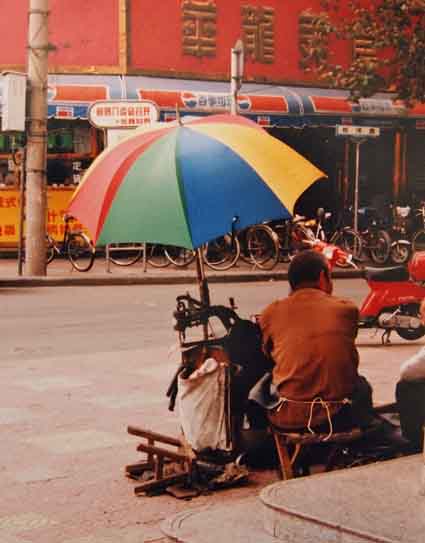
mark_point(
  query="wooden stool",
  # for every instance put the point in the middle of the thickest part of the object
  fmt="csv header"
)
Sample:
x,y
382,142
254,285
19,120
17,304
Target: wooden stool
x,y
289,445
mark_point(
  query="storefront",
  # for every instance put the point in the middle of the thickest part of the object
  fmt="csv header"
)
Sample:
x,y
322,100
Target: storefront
x,y
304,118
415,158
72,142
71,146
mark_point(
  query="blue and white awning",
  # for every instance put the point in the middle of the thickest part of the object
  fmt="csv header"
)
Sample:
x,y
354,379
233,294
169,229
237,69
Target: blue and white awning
x,y
70,96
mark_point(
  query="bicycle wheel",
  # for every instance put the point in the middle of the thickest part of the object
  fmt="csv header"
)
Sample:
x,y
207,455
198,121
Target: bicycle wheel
x,y
400,252
81,252
125,254
179,256
245,255
156,256
286,250
350,241
262,246
418,241
50,249
222,253
381,247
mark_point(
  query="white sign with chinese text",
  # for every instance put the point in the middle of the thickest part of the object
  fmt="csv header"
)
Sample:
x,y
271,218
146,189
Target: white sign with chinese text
x,y
123,113
357,131
13,101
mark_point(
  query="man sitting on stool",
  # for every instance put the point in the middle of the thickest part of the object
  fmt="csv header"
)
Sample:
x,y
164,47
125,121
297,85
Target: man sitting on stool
x,y
310,336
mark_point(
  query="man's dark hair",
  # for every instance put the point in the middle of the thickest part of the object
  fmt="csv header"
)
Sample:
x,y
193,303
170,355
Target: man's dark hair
x,y
306,267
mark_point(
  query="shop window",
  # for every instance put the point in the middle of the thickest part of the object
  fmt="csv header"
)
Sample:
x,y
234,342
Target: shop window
x,y
59,172
9,142
4,143
16,140
62,142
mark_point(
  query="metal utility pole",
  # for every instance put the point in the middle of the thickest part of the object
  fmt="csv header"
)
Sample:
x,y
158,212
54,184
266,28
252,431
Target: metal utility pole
x,y
236,74
357,135
36,193
356,142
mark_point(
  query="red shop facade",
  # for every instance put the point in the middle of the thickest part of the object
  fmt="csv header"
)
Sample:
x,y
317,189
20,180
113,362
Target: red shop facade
x,y
177,52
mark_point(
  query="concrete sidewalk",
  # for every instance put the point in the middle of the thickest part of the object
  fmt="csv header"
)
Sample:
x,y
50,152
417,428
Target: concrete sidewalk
x,y
376,503
61,273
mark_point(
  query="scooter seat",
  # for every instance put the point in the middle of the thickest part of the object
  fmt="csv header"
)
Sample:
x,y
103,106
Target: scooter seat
x,y
393,273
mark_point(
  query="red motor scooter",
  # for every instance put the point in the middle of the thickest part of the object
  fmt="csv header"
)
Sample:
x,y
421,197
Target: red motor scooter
x,y
334,254
394,299
395,295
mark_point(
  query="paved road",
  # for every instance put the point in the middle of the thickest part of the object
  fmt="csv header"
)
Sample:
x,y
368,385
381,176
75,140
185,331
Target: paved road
x,y
77,365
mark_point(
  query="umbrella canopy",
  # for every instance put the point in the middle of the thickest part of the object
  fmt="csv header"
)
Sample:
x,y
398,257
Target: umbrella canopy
x,y
186,184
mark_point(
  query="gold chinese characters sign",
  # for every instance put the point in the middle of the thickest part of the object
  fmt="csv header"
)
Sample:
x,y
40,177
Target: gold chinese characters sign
x,y
312,34
199,28
258,33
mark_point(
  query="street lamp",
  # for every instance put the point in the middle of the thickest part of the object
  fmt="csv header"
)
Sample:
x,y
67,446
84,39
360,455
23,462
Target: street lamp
x,y
236,74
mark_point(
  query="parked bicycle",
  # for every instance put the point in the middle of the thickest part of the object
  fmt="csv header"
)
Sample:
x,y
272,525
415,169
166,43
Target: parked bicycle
x,y
279,241
127,254
418,237
75,246
264,245
259,246
220,254
401,247
340,235
376,242
267,244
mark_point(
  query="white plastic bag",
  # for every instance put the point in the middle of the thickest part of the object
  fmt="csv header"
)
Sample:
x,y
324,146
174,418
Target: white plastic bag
x,y
201,406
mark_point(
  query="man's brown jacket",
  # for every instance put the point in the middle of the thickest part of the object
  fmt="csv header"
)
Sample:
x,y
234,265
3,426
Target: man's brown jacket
x,y
310,336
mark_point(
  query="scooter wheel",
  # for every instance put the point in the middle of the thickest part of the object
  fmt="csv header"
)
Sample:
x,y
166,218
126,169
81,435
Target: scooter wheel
x,y
411,333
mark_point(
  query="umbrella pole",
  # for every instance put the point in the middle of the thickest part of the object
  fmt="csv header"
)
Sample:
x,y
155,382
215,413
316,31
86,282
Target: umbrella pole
x,y
204,292
202,281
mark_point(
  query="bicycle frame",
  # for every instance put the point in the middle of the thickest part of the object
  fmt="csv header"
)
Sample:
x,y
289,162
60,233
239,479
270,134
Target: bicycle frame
x,y
60,246
82,254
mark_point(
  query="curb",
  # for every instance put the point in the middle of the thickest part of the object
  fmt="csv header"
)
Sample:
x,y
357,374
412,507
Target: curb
x,y
159,279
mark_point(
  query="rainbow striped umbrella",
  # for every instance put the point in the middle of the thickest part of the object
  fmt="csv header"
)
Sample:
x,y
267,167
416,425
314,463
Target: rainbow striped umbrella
x,y
186,184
